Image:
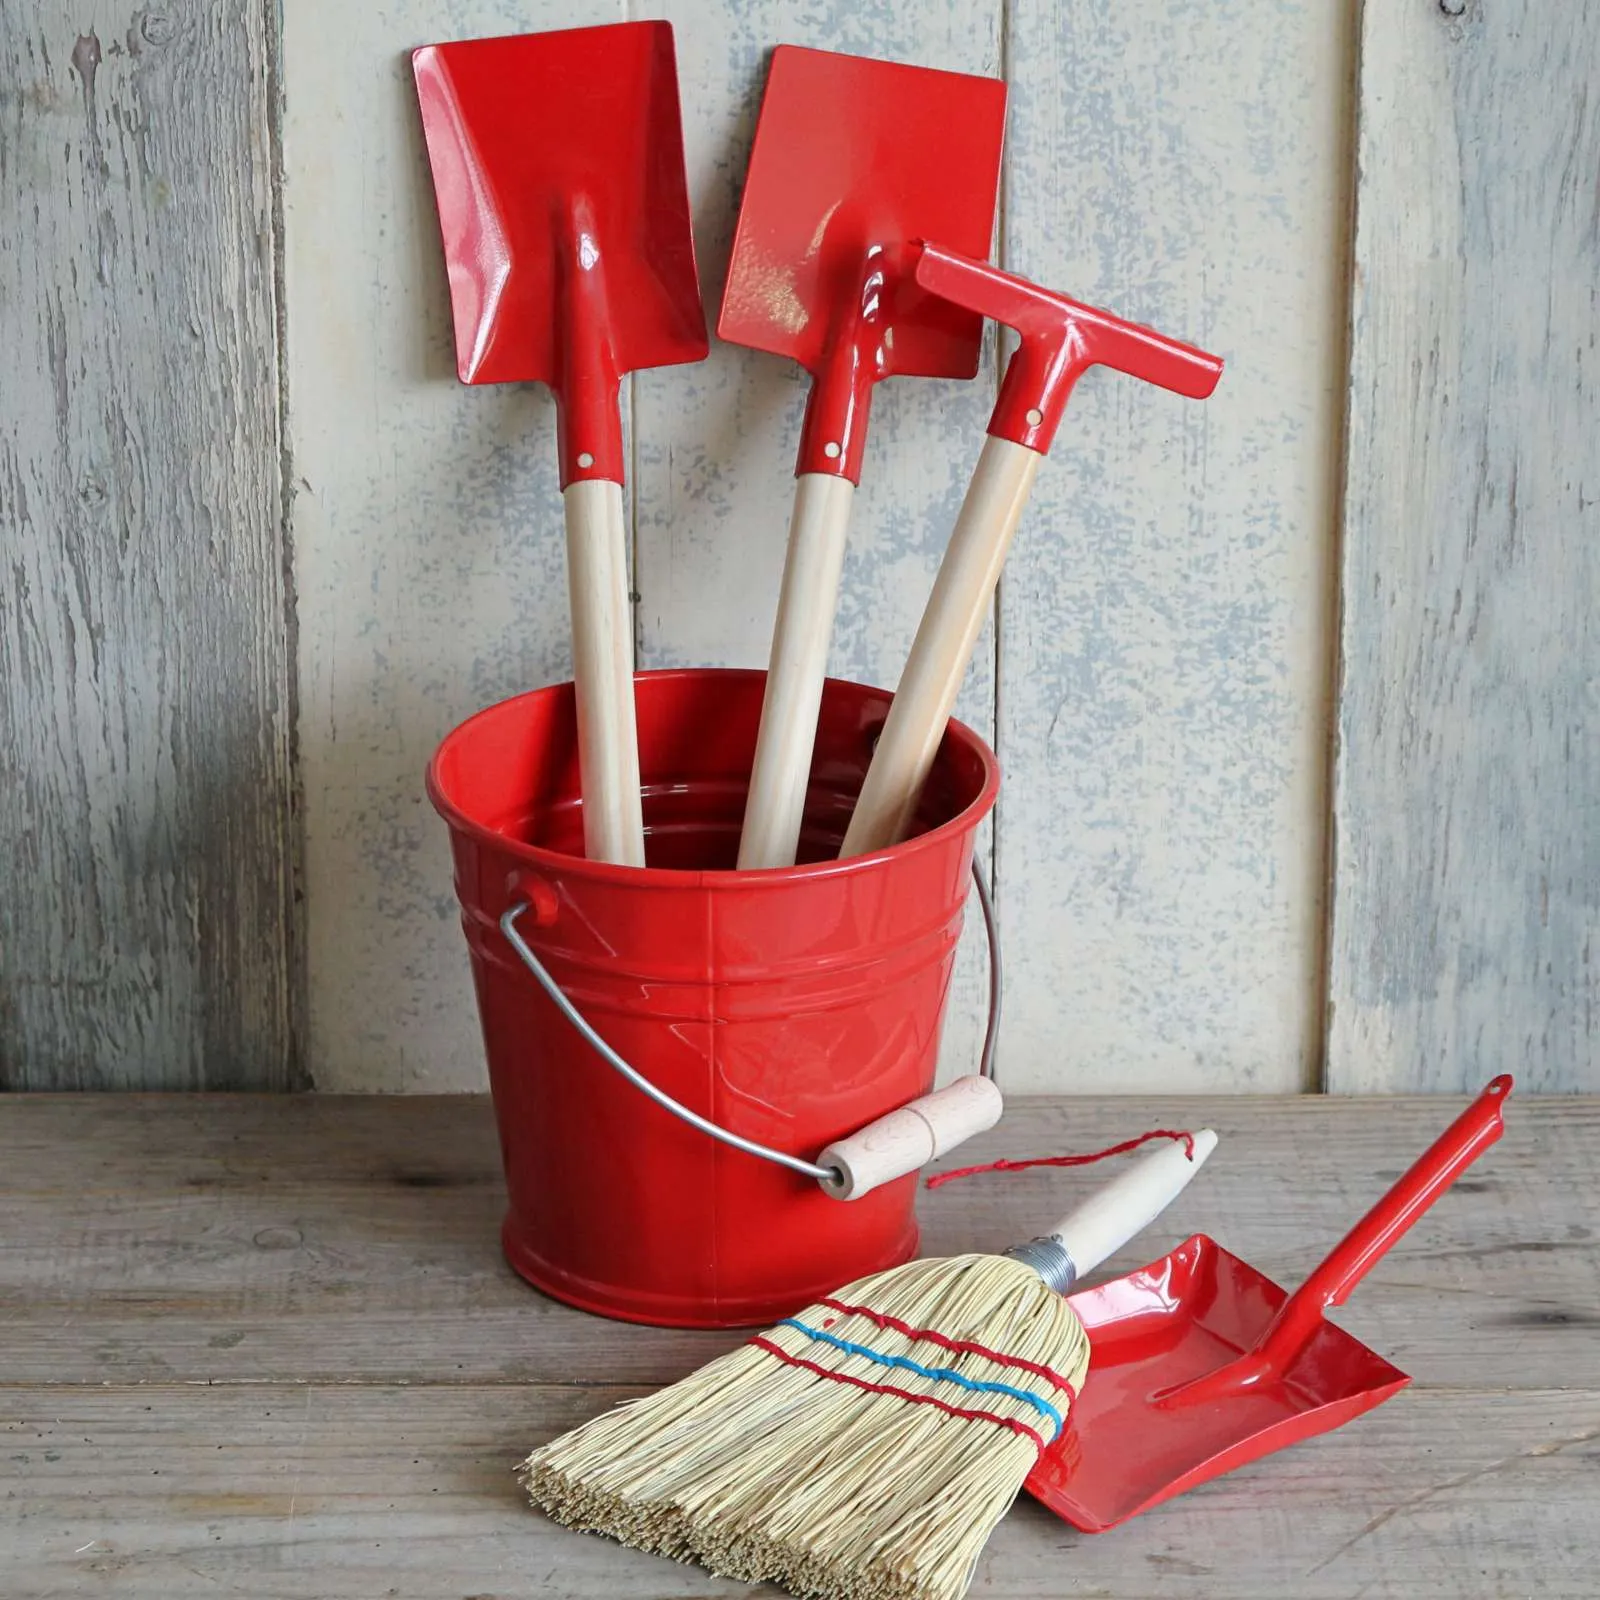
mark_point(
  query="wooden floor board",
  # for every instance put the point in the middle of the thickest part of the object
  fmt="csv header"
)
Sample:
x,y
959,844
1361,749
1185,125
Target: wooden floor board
x,y
266,1346
334,1493
272,1239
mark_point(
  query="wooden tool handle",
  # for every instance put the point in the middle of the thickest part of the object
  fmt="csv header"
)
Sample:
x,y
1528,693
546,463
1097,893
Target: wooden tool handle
x,y
795,673
943,646
602,669
1130,1202
911,1137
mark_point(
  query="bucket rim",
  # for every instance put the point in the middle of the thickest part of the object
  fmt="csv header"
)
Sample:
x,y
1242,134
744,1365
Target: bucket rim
x,y
703,878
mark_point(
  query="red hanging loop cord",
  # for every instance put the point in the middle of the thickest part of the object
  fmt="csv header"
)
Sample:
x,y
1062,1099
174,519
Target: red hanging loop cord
x,y
1067,1161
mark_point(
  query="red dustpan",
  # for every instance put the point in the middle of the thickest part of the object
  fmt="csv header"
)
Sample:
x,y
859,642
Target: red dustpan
x,y
558,165
1199,1363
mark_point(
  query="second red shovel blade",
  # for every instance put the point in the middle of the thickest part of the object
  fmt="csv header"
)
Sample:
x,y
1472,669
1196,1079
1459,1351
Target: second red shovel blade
x,y
850,155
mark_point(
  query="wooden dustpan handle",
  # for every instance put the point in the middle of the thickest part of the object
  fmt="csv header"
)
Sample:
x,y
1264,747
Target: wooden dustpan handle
x,y
1383,1226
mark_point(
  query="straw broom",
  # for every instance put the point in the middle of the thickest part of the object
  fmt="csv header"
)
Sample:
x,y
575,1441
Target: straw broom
x,y
865,1448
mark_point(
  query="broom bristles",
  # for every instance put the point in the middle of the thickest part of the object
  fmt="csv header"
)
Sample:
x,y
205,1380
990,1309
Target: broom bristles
x,y
799,1460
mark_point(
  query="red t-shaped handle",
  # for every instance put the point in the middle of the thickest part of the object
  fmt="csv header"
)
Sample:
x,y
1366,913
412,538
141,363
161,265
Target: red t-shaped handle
x,y
1061,339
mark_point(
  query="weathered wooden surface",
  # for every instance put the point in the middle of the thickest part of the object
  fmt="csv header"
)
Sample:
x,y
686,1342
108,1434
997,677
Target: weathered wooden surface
x,y
267,1346
345,1493
1157,682
1163,640
319,1239
429,555
147,920
1467,834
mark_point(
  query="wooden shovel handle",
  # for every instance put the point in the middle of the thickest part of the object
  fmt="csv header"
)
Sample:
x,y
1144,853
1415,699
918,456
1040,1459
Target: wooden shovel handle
x,y
602,670
795,673
943,646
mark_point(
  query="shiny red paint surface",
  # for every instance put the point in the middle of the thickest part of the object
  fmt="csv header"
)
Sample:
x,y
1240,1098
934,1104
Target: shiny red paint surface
x,y
1181,1317
792,1005
1200,1363
558,169
853,159
1060,340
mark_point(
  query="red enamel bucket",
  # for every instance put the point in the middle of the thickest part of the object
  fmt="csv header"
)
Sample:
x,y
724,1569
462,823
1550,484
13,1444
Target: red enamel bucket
x,y
790,1006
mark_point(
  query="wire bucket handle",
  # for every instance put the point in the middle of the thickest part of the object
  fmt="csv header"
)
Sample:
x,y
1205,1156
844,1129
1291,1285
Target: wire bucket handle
x,y
895,1144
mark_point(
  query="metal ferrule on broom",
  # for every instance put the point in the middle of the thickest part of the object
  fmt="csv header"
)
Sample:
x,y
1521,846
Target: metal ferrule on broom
x,y
1050,1258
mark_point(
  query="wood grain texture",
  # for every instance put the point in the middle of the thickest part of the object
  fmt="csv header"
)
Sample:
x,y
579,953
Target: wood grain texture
x,y
1164,615
429,555
714,445
147,924
1467,791
265,1345
332,1239
313,1492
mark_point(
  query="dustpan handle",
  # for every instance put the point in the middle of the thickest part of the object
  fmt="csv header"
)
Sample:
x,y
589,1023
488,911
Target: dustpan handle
x,y
1383,1226
828,1176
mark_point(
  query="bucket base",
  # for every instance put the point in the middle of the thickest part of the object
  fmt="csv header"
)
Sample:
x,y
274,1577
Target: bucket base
x,y
671,1311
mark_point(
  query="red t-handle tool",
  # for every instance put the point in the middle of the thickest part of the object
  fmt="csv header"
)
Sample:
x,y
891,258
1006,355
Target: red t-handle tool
x,y
1061,339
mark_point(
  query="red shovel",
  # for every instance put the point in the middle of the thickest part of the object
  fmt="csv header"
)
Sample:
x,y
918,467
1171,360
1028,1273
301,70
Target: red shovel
x,y
1061,340
853,160
558,165
1199,1363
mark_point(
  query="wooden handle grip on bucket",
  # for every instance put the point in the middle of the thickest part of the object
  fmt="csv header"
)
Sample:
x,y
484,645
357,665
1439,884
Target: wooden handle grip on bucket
x,y
911,1137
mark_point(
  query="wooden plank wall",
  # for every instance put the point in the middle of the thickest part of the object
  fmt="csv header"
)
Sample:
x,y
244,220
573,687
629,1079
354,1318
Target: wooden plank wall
x,y
1158,680
429,559
429,562
1163,659
148,835
1467,803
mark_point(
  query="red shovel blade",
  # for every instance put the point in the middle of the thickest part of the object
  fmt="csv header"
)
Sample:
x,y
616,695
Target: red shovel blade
x,y
1182,1317
558,166
853,160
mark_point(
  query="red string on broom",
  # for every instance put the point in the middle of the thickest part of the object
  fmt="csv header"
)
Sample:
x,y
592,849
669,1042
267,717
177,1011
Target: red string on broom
x,y
1067,1161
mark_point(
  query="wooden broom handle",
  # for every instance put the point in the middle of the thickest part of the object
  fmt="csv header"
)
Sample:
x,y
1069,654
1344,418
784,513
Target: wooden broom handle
x,y
602,669
796,670
943,646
